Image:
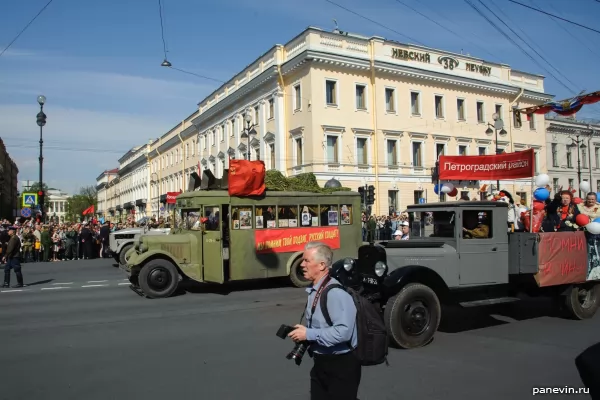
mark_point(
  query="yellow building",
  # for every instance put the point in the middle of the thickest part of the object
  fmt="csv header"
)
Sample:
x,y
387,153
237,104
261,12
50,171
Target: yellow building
x,y
363,110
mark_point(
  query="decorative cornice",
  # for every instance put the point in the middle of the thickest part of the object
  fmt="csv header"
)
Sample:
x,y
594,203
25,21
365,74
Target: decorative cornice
x,y
269,137
387,132
297,132
441,137
254,143
203,161
231,151
333,129
463,139
362,132
211,158
483,141
242,147
418,135
221,155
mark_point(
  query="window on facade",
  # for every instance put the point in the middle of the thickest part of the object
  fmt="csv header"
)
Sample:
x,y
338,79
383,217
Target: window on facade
x,y
176,156
297,97
332,149
256,115
480,115
417,154
554,155
214,138
598,186
232,127
271,109
440,149
418,194
532,121
439,106
536,161
569,157
499,110
555,184
360,97
194,147
517,119
597,156
414,103
584,156
481,151
330,94
361,151
462,150
187,150
272,154
299,155
571,183
222,133
390,105
460,109
392,152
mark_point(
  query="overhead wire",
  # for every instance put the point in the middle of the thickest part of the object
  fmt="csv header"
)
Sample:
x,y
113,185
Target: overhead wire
x,y
26,26
555,16
162,28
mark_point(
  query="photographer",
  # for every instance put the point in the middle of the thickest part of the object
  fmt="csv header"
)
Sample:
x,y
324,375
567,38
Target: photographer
x,y
337,371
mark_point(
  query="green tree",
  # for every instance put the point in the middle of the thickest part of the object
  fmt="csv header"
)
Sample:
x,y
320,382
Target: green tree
x,y
76,204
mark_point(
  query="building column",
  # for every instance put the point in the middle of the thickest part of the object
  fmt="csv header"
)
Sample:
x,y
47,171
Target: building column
x,y
280,134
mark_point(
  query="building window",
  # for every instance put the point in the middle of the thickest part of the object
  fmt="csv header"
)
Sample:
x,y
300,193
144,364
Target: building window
x,y
271,109
499,110
361,151
272,154
554,155
517,119
584,156
460,108
417,154
256,115
414,103
439,107
531,121
439,150
569,157
332,149
392,152
480,112
187,150
223,129
597,156
536,160
481,151
571,183
598,186
214,138
418,195
232,127
299,152
555,184
361,103
297,97
390,105
330,93
462,150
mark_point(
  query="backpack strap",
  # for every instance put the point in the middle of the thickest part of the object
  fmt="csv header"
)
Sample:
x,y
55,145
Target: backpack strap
x,y
323,302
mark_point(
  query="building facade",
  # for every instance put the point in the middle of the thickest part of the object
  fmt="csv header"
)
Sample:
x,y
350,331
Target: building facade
x,y
363,110
8,185
573,153
57,205
103,181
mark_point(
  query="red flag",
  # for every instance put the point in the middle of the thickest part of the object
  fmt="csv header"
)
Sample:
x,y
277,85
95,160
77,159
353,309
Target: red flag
x,y
89,210
246,178
516,165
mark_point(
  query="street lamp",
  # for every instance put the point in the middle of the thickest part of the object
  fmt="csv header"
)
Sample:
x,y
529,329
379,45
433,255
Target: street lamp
x,y
498,126
41,121
576,142
248,132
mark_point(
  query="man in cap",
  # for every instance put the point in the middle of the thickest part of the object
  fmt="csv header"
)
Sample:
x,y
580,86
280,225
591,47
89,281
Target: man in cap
x,y
11,258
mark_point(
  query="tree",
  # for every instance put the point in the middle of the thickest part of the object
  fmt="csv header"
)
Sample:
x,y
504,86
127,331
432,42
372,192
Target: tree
x,y
76,204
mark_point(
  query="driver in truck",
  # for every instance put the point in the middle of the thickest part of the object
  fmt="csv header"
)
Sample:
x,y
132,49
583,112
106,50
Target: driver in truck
x,y
479,223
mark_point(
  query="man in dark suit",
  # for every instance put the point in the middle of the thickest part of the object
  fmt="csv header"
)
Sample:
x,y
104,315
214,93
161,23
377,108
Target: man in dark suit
x,y
104,237
12,259
87,241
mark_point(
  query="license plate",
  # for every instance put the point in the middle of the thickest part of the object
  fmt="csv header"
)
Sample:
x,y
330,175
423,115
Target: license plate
x,y
370,281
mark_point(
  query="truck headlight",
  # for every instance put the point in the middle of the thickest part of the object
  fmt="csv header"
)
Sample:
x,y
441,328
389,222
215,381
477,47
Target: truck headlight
x,y
143,247
137,244
348,264
380,268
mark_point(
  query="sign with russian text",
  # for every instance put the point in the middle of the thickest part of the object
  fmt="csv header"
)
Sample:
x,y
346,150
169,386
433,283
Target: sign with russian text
x,y
562,258
172,197
516,165
295,239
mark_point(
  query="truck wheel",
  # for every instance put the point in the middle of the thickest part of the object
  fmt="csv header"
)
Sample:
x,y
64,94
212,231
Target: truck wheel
x,y
582,303
412,316
124,251
296,275
158,279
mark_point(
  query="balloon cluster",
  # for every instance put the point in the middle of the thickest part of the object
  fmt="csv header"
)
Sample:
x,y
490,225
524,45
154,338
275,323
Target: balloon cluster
x,y
447,188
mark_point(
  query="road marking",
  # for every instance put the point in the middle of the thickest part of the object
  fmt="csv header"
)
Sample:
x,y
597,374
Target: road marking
x,y
54,288
124,283
97,281
93,285
11,291
64,283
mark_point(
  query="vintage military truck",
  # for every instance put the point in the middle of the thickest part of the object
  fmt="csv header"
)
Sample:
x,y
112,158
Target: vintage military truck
x,y
120,242
450,259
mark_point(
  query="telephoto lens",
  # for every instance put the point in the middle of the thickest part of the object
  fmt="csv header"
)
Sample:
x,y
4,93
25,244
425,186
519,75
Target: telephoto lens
x,y
297,353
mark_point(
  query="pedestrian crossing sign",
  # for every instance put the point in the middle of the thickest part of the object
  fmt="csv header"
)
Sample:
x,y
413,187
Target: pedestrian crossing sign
x,y
29,199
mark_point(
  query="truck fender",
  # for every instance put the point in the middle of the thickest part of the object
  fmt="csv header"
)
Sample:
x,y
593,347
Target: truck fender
x,y
400,277
143,258
293,257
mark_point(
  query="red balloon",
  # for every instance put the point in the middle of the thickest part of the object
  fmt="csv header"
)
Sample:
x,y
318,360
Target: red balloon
x,y
582,220
453,193
577,200
538,205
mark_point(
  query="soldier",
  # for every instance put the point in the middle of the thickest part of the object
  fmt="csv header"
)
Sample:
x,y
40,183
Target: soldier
x,y
70,244
46,244
28,245
11,258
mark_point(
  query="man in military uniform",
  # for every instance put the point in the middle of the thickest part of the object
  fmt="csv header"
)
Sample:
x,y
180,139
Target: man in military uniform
x,y
481,230
11,258
28,243
70,244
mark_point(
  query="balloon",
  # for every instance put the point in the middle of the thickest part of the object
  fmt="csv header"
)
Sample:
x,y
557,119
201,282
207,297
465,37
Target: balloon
x,y
577,200
593,228
582,220
598,195
584,186
446,189
436,189
542,180
595,220
538,206
453,193
541,194
451,186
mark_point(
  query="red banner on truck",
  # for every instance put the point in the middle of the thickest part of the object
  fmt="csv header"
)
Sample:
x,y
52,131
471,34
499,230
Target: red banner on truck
x,y
516,165
294,239
562,258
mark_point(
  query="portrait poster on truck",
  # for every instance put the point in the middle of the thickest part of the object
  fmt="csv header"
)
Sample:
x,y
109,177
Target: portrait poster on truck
x,y
562,258
290,240
517,165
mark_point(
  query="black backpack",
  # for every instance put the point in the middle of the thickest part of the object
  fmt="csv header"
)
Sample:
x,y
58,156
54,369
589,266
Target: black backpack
x,y
372,348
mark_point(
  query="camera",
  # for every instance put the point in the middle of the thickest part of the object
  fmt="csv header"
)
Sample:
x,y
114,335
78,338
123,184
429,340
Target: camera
x,y
299,349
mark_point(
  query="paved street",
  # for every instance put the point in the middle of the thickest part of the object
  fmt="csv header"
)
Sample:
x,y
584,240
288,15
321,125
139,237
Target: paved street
x,y
78,332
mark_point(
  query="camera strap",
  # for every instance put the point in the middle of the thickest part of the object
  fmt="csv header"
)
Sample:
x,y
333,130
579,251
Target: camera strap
x,y
315,301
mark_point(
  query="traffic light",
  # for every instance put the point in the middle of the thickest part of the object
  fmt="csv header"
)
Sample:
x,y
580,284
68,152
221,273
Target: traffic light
x,y
41,198
361,190
371,195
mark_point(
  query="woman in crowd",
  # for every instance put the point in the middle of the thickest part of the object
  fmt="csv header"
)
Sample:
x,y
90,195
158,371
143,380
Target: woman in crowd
x,y
561,213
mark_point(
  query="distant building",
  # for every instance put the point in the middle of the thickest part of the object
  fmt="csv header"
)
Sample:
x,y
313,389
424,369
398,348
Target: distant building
x,y
105,185
57,205
8,184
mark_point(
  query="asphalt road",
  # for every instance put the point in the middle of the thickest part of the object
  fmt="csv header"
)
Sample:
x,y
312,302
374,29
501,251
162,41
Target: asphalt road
x,y
78,332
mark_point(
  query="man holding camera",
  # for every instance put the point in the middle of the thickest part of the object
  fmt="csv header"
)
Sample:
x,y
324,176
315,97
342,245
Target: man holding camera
x,y
337,371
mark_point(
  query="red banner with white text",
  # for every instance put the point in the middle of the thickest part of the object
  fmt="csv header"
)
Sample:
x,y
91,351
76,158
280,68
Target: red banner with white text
x,y
562,258
516,165
294,239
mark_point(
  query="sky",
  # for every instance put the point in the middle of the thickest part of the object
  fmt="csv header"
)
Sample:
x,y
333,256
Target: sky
x,y
98,63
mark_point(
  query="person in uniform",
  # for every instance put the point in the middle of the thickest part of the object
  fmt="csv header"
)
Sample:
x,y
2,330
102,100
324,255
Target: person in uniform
x,y
482,228
28,245
12,259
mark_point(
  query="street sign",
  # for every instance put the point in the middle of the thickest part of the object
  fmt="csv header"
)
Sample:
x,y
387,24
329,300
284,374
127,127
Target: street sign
x,y
26,212
162,209
421,200
29,199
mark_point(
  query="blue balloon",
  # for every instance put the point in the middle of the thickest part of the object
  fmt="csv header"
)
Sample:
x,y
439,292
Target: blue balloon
x,y
541,194
598,195
436,189
596,220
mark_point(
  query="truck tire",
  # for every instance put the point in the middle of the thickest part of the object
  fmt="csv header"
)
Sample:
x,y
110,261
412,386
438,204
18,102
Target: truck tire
x,y
296,275
582,303
158,279
412,316
124,251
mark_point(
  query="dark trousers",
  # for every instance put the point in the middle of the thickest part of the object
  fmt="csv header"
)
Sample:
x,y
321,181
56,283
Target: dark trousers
x,y
15,265
335,377
588,365
70,250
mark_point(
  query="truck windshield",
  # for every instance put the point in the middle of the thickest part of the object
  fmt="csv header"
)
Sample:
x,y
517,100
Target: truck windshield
x,y
431,224
190,219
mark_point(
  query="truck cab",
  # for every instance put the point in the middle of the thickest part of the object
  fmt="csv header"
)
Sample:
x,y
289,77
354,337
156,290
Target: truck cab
x,y
457,253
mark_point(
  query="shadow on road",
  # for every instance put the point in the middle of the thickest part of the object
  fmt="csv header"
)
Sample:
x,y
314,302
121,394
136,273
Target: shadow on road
x,y
39,282
456,319
237,286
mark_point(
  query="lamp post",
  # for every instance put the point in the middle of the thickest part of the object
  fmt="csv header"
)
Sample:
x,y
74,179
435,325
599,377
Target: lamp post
x,y
248,131
498,126
41,121
576,142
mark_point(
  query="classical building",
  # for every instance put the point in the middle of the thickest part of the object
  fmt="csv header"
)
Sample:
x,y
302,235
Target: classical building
x,y
8,185
57,205
103,182
573,153
363,110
